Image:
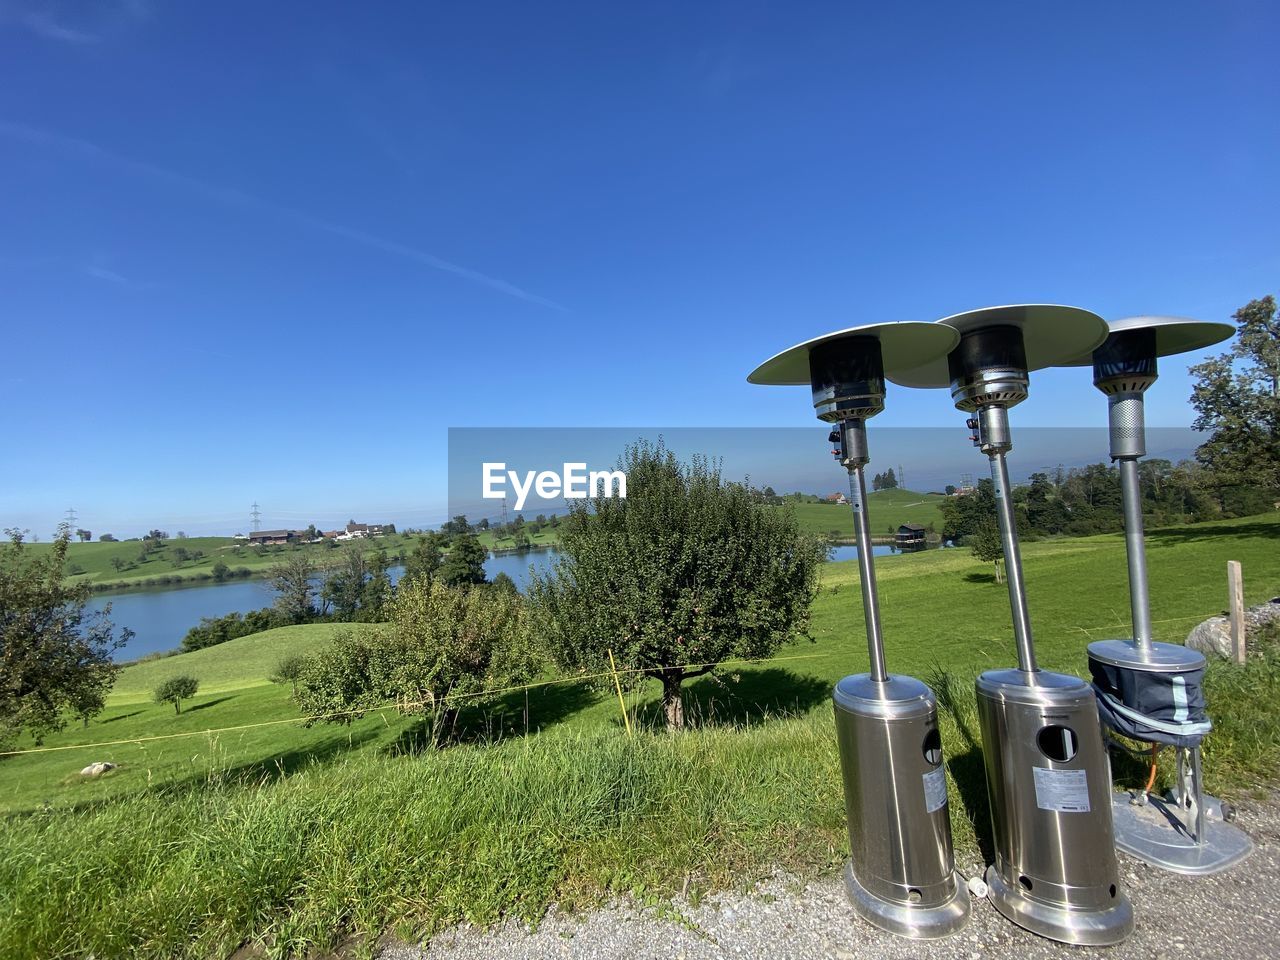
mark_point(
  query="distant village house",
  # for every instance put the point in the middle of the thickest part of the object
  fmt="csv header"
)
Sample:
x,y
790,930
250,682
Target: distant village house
x,y
267,538
910,535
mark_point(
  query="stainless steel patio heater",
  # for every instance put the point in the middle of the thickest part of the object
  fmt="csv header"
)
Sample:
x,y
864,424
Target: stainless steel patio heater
x,y
1147,691
901,876
1048,775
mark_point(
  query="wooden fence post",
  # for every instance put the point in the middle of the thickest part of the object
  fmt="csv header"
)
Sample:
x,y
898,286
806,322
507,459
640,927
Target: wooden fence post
x,y
1235,609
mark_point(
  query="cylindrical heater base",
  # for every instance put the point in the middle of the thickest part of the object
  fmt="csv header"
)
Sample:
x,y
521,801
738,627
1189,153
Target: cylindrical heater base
x,y
1049,781
901,875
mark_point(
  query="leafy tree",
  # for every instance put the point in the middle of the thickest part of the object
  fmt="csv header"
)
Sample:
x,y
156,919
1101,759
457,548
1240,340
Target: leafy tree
x,y
292,580
423,560
503,583
890,480
156,535
118,563
311,533
877,482
83,535
987,546
1237,399
464,564
344,588
220,570
950,489
445,648
456,527
54,657
175,690
106,538
483,524
688,571
289,670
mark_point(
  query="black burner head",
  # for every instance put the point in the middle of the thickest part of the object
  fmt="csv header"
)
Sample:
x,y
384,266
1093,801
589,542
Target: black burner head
x,y
847,377
989,366
1126,362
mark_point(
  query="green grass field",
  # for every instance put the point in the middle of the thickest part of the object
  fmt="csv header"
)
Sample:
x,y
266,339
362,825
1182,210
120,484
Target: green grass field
x,y
94,562
940,611
296,838
888,509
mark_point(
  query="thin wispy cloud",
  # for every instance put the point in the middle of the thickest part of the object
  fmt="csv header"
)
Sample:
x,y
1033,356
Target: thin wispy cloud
x,y
235,196
75,23
43,24
102,273
115,278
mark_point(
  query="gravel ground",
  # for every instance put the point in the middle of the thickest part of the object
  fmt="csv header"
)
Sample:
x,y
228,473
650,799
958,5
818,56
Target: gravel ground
x,y
1235,914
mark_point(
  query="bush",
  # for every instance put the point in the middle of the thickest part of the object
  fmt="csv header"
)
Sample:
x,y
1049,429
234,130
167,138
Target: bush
x,y
289,670
447,648
215,630
685,572
175,690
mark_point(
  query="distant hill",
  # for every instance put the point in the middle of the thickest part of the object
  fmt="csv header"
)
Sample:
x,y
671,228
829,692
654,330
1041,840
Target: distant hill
x,y
888,509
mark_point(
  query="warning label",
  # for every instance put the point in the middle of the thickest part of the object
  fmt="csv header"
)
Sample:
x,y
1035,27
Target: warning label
x,y
1063,791
935,789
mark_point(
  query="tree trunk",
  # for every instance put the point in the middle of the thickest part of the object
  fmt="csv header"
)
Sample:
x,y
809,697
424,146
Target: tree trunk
x,y
672,704
177,706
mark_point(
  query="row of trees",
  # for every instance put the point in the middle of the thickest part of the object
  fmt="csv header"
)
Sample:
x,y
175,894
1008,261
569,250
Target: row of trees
x,y
885,481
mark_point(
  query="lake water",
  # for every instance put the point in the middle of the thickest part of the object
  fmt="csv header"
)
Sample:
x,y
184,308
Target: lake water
x,y
160,618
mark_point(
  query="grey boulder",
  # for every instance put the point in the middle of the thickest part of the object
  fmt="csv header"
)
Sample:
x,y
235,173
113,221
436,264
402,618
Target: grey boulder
x,y
1212,636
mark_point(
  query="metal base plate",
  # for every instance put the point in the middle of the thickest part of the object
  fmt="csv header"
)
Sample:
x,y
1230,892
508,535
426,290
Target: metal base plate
x,y
1094,928
1154,833
914,921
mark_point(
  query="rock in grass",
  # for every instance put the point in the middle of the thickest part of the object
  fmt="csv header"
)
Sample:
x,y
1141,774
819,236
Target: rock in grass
x,y
1211,637
97,769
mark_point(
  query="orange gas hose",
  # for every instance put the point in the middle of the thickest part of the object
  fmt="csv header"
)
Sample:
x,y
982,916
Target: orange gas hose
x,y
1151,780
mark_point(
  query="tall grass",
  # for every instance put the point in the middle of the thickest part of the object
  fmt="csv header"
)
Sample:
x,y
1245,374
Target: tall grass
x,y
411,843
377,843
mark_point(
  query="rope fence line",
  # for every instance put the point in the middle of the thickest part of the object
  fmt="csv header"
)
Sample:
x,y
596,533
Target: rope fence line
x,y
398,705
402,706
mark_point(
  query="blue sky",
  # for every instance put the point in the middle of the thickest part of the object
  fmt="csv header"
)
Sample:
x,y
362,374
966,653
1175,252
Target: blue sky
x,y
274,251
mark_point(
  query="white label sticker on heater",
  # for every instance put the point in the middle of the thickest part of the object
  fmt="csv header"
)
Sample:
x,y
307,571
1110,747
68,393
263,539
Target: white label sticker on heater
x,y
1063,791
935,789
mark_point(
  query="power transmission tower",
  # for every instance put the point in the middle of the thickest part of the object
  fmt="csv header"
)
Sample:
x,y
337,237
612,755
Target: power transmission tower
x,y
257,517
71,519
902,478
966,481
504,511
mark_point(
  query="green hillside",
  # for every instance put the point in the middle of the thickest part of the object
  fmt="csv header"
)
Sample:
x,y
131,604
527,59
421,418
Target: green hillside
x,y
888,509
236,664
125,563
